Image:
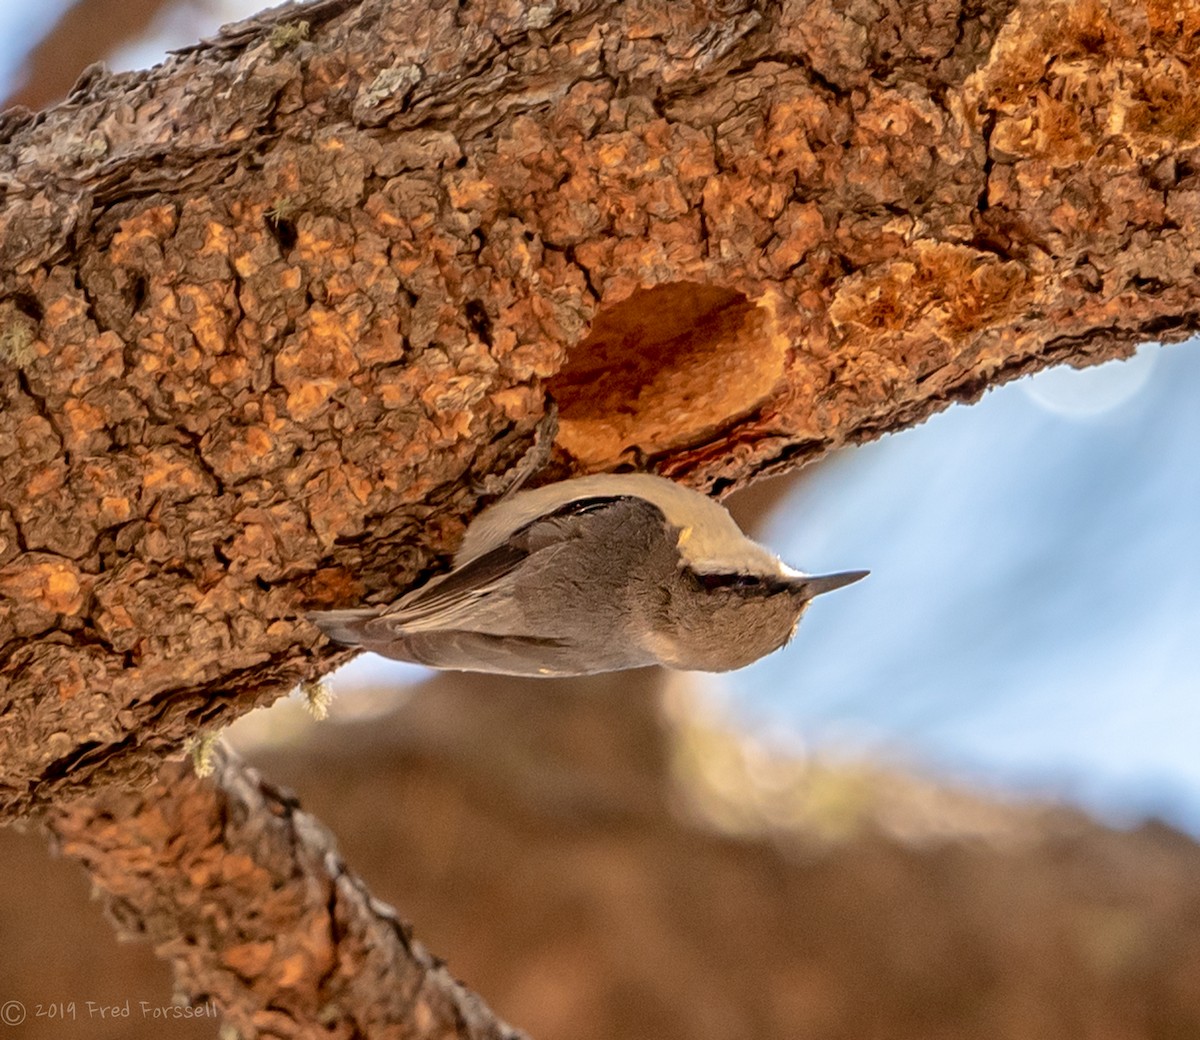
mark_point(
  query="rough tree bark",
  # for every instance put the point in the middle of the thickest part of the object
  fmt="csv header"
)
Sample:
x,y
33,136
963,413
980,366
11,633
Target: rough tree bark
x,y
272,309
272,313
248,898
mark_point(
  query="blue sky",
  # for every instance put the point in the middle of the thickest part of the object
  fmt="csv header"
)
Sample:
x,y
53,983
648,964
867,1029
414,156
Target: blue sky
x,y
1032,613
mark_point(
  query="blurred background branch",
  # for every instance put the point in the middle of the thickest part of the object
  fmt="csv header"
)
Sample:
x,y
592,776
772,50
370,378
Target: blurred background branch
x,y
248,899
598,868
86,31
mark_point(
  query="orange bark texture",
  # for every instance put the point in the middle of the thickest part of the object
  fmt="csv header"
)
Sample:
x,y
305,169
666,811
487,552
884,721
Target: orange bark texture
x,y
273,312
249,899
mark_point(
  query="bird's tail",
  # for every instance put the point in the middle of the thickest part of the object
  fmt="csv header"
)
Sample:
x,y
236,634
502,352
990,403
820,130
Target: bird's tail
x,y
343,626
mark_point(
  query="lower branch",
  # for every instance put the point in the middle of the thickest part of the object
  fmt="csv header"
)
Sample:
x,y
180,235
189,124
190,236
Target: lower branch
x,y
248,898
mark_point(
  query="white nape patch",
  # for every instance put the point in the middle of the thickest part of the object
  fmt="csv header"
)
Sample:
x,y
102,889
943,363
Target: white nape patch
x,y
709,541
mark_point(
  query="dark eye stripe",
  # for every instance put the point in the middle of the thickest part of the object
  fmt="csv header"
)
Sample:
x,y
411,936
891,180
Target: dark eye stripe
x,y
731,581
583,506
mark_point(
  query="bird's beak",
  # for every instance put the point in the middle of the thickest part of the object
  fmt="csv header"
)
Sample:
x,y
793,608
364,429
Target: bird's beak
x,y
811,585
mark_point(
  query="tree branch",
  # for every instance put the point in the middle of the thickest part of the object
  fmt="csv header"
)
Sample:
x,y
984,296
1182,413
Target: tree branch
x,y
248,898
86,32
270,312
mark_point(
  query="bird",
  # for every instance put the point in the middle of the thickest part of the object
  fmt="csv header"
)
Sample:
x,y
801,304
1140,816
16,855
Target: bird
x,y
594,574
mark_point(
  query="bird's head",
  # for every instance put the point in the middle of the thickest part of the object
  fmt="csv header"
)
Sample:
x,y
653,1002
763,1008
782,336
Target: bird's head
x,y
721,620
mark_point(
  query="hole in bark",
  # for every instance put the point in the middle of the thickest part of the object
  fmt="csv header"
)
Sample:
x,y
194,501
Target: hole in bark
x,y
1150,286
480,323
666,367
284,231
27,305
1184,171
137,293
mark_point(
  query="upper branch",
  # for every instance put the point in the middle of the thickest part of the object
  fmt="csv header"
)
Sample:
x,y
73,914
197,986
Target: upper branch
x,y
272,311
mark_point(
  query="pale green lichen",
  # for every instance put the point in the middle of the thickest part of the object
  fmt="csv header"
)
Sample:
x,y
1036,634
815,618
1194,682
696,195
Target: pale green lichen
x,y
94,146
285,208
203,751
289,34
389,83
17,336
318,696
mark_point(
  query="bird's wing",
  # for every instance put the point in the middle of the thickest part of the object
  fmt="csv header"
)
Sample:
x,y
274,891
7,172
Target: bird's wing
x,y
343,626
465,596
450,599
480,652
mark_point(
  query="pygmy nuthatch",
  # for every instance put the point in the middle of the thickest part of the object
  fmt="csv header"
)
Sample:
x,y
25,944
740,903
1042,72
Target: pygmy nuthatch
x,y
594,574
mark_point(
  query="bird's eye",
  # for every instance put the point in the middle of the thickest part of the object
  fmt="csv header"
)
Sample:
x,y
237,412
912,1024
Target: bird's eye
x,y
730,581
